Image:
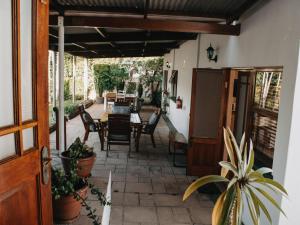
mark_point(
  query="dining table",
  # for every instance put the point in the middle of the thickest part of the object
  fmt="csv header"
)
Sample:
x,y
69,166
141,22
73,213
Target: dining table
x,y
135,122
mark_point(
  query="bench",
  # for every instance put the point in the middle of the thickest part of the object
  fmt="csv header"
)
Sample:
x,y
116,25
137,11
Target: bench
x,y
179,145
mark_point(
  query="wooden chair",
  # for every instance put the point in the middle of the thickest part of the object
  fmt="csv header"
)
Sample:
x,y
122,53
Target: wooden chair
x,y
122,102
90,125
119,131
110,99
150,125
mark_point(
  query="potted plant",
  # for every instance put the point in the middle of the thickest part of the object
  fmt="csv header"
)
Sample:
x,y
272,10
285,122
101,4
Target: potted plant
x,y
84,156
245,186
69,193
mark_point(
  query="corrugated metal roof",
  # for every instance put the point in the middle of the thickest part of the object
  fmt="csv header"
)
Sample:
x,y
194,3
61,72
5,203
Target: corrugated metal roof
x,y
207,7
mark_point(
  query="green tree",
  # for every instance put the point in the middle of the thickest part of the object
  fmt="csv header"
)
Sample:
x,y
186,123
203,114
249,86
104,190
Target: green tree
x,y
152,78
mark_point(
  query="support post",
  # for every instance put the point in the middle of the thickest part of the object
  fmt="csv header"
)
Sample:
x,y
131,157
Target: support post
x,y
54,77
85,78
61,116
74,77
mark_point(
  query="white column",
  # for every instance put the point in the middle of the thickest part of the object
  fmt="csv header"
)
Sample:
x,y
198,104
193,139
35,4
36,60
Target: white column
x,y
85,78
54,77
61,115
74,77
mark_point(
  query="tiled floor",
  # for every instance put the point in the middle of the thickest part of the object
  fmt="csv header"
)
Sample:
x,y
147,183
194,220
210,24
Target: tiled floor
x,y
146,188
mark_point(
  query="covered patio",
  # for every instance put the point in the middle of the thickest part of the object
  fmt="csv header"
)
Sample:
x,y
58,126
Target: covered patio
x,y
146,188
172,74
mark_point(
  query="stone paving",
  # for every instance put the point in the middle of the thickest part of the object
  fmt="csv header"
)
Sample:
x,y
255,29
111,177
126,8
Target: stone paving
x,y
146,188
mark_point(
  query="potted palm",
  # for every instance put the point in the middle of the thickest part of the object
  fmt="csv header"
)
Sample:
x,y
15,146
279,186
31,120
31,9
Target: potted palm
x,y
245,186
84,156
69,193
101,72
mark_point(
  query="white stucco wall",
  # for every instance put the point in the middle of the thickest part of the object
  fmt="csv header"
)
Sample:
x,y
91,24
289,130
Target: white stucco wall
x,y
185,61
270,37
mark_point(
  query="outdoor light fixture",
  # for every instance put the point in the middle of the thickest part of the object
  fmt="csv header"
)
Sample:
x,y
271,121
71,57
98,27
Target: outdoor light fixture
x,y
168,65
211,54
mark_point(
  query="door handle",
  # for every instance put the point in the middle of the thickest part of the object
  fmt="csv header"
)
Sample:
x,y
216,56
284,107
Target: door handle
x,y
46,168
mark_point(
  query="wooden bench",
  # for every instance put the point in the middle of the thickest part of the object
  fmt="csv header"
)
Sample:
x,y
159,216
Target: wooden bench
x,y
178,142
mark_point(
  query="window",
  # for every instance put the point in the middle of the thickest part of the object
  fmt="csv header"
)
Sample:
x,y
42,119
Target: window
x,y
173,81
265,114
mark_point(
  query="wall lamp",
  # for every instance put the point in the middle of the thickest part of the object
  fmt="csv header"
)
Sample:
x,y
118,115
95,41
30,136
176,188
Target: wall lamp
x,y
211,55
168,65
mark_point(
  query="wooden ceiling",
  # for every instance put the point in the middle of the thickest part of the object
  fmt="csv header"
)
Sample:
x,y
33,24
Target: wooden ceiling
x,y
132,28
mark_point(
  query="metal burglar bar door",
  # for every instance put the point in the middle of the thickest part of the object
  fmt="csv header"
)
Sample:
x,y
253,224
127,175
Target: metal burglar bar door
x,y
25,188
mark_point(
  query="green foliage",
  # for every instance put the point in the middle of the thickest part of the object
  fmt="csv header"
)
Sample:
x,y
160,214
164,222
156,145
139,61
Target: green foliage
x,y
70,109
245,186
78,150
67,92
120,74
108,77
131,88
153,79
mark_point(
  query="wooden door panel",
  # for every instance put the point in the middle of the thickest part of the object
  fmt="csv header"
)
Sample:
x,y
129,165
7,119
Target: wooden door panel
x,y
207,118
24,199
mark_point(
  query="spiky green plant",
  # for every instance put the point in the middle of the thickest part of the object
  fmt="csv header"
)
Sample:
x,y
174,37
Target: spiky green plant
x,y
245,186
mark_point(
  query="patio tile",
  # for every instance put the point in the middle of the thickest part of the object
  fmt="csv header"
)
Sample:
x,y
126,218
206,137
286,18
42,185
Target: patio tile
x,y
146,188
116,216
138,187
140,214
131,199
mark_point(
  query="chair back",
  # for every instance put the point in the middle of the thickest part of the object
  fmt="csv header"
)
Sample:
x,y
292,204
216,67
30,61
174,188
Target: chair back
x,y
153,121
87,120
122,102
111,96
119,109
119,124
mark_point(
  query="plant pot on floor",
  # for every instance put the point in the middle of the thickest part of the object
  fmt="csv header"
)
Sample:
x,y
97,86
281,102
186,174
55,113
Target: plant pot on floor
x,y
67,209
84,165
99,100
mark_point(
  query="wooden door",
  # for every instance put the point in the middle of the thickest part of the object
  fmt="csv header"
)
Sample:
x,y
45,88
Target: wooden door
x,y
207,118
25,187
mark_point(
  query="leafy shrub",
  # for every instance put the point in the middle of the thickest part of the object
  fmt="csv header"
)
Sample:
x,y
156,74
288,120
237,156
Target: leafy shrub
x,y
131,88
67,92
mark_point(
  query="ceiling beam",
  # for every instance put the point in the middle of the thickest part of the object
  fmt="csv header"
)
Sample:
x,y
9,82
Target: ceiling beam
x,y
126,36
146,8
116,55
148,24
122,47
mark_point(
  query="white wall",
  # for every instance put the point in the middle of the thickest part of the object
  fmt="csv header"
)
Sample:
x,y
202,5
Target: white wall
x,y
270,37
184,61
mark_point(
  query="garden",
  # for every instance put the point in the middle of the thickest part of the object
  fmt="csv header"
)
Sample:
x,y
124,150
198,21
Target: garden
x,y
87,80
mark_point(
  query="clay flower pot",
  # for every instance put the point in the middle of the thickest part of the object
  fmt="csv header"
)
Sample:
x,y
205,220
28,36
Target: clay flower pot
x,y
67,208
84,165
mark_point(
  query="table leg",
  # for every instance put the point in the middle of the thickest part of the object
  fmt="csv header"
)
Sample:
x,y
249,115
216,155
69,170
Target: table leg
x,y
102,136
137,140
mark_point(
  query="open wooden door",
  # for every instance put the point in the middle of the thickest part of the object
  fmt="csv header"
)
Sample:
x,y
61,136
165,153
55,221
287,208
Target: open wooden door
x,y
207,118
244,100
25,187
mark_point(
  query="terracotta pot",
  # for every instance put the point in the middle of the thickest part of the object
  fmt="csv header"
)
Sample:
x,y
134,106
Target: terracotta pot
x,y
84,166
67,208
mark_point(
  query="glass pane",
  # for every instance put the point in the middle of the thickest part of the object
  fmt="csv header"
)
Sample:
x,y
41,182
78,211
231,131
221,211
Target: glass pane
x,y
28,139
209,90
26,58
6,84
7,146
